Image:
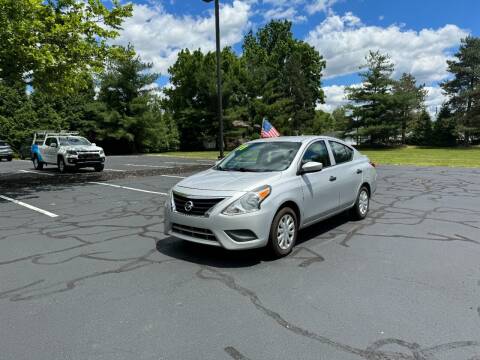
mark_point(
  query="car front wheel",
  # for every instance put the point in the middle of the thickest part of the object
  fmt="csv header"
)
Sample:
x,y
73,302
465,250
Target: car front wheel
x,y
283,232
61,165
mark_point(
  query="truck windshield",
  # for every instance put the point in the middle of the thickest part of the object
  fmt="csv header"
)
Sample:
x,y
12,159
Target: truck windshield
x,y
260,157
71,140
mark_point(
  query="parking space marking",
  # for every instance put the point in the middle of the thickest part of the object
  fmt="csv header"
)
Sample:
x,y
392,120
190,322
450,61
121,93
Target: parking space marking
x,y
117,170
153,166
174,176
36,172
44,212
128,188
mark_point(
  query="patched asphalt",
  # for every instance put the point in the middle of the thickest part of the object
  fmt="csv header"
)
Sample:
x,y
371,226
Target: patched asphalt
x,y
102,281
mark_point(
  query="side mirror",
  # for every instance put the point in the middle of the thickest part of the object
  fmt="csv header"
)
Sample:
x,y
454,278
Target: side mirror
x,y
54,145
311,166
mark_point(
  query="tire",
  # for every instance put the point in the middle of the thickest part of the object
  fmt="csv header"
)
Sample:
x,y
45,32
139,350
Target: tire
x,y
37,164
281,243
9,159
362,205
99,168
61,165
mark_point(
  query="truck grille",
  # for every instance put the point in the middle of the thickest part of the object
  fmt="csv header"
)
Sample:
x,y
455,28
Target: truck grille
x,y
88,156
198,233
194,206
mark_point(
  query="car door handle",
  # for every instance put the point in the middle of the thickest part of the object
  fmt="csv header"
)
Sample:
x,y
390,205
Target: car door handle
x,y
359,171
332,178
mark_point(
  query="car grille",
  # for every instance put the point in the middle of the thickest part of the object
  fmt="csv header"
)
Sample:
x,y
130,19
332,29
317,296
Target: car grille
x,y
195,232
199,206
88,156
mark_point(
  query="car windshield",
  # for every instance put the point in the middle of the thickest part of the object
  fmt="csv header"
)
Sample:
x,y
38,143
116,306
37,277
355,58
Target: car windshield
x,y
73,140
260,157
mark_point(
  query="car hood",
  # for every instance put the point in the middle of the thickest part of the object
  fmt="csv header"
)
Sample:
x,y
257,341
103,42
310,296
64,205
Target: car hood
x,y
82,148
228,180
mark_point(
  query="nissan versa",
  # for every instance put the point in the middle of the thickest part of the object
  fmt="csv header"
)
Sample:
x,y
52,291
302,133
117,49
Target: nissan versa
x,y
263,192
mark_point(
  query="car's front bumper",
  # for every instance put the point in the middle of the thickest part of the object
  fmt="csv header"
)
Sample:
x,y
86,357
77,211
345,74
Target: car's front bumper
x,y
195,228
6,155
74,161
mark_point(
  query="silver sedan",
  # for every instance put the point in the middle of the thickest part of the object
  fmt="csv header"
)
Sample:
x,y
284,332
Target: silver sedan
x,y
264,191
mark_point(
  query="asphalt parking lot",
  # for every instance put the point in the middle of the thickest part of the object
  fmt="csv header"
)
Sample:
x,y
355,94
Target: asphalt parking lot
x,y
98,279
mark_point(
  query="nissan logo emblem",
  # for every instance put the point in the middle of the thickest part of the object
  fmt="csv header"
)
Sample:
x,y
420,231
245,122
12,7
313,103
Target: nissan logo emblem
x,y
188,206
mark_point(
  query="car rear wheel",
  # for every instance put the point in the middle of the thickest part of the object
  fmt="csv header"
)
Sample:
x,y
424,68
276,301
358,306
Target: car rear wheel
x,y
37,164
362,205
283,232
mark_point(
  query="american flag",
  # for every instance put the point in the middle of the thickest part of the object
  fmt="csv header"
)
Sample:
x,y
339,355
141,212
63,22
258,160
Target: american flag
x,y
268,131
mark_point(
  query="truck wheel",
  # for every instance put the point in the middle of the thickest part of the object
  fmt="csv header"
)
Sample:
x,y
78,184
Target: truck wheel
x,y
61,165
37,164
99,168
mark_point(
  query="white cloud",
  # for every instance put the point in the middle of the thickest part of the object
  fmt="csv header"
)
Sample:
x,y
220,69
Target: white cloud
x,y
435,99
344,41
289,13
320,5
158,35
334,97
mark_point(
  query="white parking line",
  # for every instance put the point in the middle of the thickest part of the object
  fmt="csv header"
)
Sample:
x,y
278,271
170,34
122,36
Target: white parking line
x,y
44,212
154,166
174,176
128,188
117,170
36,172
188,163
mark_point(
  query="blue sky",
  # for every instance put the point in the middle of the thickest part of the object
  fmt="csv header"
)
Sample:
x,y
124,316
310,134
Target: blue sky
x,y
419,35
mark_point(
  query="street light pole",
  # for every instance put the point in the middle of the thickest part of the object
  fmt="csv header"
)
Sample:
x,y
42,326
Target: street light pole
x,y
219,75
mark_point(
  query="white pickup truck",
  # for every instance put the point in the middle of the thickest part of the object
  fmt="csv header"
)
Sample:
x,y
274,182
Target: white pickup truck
x,y
66,150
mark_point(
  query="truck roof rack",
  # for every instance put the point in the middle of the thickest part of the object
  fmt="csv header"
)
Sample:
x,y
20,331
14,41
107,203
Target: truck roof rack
x,y
43,134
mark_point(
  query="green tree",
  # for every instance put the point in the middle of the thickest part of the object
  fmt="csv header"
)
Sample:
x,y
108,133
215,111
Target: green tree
x,y
444,129
284,77
464,89
128,115
421,129
409,100
373,101
192,99
51,44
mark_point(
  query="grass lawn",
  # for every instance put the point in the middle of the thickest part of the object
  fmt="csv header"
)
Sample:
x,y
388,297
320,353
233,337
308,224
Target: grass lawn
x,y
410,155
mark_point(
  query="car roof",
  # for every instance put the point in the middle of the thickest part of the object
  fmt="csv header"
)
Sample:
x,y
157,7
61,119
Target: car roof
x,y
300,138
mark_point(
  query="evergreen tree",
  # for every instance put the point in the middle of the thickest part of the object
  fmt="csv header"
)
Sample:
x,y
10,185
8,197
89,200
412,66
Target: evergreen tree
x,y
444,133
464,89
409,101
421,129
373,110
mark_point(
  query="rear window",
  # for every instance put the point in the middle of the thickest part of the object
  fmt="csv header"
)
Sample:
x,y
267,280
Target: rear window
x,y
341,153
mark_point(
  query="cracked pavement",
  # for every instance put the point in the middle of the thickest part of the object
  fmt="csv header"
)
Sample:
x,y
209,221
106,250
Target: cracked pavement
x,y
102,281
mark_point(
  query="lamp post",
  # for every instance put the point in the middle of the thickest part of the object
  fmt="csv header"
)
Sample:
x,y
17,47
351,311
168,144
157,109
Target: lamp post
x,y
219,74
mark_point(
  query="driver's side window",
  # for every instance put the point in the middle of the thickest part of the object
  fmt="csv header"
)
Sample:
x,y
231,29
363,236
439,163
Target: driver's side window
x,y
317,152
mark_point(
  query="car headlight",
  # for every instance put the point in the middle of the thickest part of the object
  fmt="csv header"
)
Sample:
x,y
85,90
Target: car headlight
x,y
102,152
172,201
71,152
249,202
